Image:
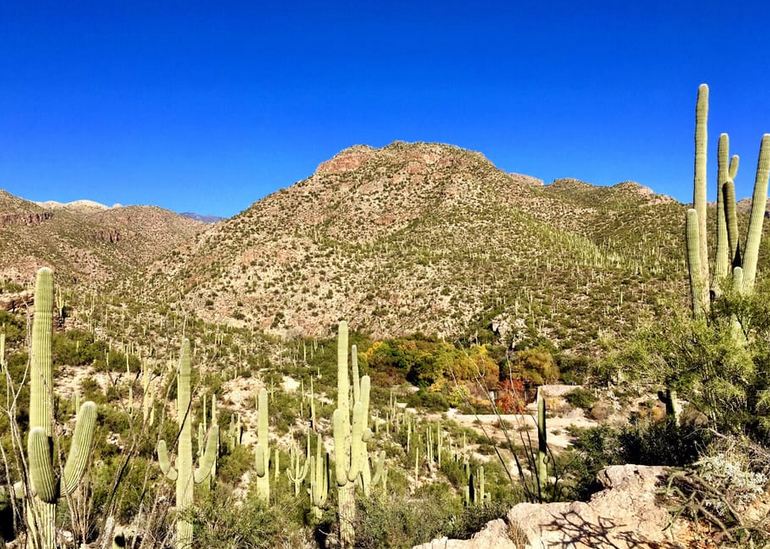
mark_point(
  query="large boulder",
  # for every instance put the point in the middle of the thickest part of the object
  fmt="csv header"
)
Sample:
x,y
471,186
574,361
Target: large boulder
x,y
624,514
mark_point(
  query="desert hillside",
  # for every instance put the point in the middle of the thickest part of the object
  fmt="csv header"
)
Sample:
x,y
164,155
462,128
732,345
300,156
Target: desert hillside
x,y
84,241
432,238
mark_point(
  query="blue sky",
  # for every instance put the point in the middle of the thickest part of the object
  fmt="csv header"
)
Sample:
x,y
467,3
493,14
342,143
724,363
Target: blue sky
x,y
210,106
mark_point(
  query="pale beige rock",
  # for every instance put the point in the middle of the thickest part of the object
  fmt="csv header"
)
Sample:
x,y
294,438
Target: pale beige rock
x,y
623,515
494,535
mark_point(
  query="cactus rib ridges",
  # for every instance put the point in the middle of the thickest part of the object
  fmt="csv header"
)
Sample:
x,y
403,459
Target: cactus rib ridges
x,y
82,438
41,471
46,484
699,194
41,378
758,207
722,263
693,262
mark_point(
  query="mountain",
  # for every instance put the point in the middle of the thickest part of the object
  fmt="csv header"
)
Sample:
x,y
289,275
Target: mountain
x,y
432,238
85,241
202,218
84,206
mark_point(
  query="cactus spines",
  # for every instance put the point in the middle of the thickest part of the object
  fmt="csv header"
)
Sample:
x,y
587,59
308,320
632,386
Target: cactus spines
x,y
699,194
542,445
262,449
41,381
758,207
183,473
312,407
47,489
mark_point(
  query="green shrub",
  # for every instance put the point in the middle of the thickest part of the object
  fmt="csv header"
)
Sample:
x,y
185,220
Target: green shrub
x,y
581,398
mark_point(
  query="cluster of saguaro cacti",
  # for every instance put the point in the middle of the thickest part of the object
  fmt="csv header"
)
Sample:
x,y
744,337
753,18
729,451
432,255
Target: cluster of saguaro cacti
x,y
351,433
262,448
47,487
183,474
234,433
732,261
320,473
475,491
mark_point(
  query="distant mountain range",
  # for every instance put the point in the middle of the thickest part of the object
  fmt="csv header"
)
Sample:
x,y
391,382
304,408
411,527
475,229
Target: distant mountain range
x,y
411,237
209,219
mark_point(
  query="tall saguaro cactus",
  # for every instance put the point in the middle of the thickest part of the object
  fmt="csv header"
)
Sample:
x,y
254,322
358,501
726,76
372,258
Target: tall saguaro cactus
x,y
183,474
47,487
349,438
731,262
262,448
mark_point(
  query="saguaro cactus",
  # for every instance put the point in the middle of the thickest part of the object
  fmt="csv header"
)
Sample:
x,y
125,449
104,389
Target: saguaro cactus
x,y
183,474
319,478
297,470
729,254
349,439
47,487
262,448
476,491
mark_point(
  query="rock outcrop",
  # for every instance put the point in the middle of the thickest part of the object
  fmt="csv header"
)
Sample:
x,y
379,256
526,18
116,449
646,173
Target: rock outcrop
x,y
624,514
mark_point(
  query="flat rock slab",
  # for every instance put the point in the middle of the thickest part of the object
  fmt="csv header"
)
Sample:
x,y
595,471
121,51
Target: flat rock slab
x,y
625,514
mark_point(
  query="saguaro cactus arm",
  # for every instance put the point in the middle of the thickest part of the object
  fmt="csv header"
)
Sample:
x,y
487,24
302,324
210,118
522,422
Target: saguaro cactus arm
x,y
80,449
206,462
165,463
340,427
259,460
41,471
722,262
758,207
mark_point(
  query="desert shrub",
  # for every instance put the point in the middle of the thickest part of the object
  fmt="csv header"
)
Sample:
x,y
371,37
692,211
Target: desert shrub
x,y
662,443
730,475
398,522
536,366
581,398
233,465
251,525
722,372
429,400
645,443
510,397
574,369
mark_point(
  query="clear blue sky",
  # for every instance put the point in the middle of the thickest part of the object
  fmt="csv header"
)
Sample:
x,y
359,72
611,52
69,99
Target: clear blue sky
x,y
210,106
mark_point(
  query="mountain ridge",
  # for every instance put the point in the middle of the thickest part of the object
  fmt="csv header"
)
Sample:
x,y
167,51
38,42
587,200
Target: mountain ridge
x,y
396,238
